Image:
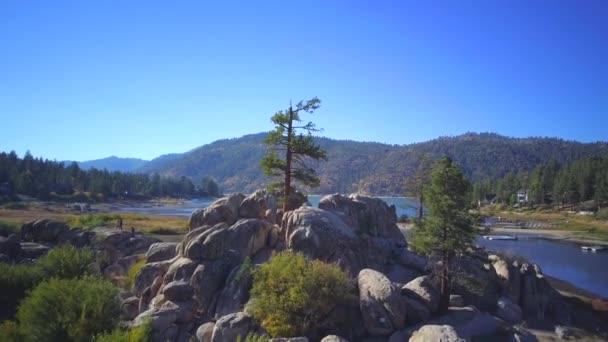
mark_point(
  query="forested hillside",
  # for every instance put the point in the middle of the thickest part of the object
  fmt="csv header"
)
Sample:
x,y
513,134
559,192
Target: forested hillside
x,y
111,164
374,168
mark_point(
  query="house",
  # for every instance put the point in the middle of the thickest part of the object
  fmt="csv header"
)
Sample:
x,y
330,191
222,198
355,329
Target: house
x,y
522,196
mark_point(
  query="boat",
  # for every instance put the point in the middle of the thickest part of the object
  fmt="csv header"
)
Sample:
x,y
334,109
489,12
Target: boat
x,y
500,237
594,248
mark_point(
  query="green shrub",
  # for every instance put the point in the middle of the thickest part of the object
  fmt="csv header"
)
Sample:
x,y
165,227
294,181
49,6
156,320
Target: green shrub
x,y
8,228
15,280
69,310
602,214
292,296
251,337
103,219
132,274
9,330
142,333
65,262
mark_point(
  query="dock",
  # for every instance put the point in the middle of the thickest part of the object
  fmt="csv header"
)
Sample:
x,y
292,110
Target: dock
x,y
594,248
500,237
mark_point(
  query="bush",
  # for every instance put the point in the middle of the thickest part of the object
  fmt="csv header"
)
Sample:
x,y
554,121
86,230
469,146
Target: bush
x,y
132,274
8,228
9,330
251,337
142,333
16,280
66,262
69,310
292,296
602,214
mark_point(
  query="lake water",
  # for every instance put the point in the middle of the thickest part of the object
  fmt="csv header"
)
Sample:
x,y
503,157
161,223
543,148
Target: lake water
x,y
404,206
558,259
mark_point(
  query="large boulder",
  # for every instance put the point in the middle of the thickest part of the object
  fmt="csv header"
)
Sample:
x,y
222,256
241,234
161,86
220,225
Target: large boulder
x,y
423,290
443,333
333,338
236,292
208,278
320,234
412,260
478,283
148,273
161,251
400,274
256,205
538,299
224,210
508,310
246,237
366,215
380,302
10,246
204,332
416,310
510,276
230,327
178,291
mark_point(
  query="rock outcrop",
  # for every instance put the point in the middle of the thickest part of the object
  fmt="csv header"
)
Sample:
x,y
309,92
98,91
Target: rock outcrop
x,y
443,333
381,304
200,287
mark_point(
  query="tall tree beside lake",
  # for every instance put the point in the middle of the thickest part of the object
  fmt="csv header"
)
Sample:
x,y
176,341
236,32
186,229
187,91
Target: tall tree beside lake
x,y
296,148
448,230
414,185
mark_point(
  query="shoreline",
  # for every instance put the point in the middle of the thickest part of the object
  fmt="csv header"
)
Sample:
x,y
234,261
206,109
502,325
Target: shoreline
x,y
551,234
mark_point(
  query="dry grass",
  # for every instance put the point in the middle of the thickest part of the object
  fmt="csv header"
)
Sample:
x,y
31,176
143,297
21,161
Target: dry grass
x,y
142,223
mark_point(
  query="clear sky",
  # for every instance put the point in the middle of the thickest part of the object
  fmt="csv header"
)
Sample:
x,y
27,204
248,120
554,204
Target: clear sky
x,y
83,80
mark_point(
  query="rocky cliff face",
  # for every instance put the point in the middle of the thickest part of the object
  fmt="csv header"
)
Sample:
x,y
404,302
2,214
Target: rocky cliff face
x,y
191,290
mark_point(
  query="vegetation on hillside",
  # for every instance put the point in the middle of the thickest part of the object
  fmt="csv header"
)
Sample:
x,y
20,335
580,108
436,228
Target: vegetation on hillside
x,y
550,183
376,168
46,179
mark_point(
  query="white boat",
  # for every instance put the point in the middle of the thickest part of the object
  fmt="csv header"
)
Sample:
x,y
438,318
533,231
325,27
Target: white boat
x,y
594,248
500,237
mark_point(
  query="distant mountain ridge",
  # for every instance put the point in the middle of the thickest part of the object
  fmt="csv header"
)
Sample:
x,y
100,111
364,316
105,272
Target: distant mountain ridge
x,y
371,167
112,163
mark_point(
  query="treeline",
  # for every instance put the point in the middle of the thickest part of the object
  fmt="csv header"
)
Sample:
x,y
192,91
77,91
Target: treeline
x,y
549,183
46,179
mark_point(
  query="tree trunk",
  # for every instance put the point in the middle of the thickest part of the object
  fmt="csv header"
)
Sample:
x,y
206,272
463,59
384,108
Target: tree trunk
x,y
287,190
420,208
444,301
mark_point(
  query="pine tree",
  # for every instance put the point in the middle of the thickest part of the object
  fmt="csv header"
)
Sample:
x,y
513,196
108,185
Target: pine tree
x,y
297,149
448,230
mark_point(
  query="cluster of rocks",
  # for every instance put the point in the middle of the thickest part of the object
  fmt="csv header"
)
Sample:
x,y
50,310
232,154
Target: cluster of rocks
x,y
195,290
116,251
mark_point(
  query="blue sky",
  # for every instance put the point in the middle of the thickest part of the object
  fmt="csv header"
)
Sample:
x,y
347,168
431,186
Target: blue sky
x,y
87,79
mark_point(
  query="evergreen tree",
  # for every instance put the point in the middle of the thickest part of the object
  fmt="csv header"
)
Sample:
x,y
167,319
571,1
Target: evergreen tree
x,y
415,184
297,148
448,230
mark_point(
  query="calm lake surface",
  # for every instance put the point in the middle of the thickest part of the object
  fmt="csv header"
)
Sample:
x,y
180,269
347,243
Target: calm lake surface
x,y
562,260
559,259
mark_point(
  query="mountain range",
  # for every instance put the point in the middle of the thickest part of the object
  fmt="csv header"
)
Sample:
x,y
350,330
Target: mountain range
x,y
112,163
368,167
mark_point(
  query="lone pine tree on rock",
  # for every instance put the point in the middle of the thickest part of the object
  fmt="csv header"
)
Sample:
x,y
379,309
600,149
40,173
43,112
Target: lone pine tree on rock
x,y
295,148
